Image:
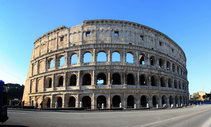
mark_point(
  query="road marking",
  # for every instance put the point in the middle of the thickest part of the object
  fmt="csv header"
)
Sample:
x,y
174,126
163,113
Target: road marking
x,y
177,117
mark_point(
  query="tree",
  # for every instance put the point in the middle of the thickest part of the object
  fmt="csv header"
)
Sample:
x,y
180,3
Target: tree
x,y
196,96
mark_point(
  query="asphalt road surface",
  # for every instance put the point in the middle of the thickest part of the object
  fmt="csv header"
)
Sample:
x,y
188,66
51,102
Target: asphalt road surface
x,y
196,116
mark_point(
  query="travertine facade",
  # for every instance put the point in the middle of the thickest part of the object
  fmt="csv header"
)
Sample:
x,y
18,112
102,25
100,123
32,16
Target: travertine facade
x,y
106,64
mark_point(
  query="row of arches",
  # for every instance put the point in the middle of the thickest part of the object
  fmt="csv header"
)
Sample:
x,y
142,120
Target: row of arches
x,y
118,102
116,56
117,79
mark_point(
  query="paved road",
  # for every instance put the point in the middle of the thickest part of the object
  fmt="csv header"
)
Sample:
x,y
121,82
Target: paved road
x,y
198,116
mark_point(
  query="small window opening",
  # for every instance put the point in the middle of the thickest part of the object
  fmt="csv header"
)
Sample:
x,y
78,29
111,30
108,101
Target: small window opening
x,y
88,34
142,37
116,34
160,43
62,38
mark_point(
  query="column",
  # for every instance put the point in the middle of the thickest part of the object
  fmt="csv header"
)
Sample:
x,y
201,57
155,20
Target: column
x,y
54,82
63,101
109,56
109,102
93,102
93,82
65,80
78,84
80,57
94,56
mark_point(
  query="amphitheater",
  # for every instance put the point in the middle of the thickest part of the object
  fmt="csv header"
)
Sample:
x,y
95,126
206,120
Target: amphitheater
x,y
106,64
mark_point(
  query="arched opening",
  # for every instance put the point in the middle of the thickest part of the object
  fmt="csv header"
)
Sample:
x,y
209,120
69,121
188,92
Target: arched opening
x,y
154,101
73,80
171,100
71,102
86,79
48,102
101,79
161,63
116,79
162,82
101,102
164,101
173,67
152,60
49,83
61,61
142,80
74,59
61,81
87,57
141,59
59,102
101,57
176,100
130,79
153,81
116,100
116,57
129,57
168,65
130,101
86,102
169,83
175,84
51,63
144,101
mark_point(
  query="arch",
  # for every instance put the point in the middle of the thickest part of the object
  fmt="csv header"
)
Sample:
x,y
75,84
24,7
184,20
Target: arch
x,y
73,80
143,79
129,57
71,101
168,65
153,81
87,57
101,79
130,101
176,100
161,63
116,57
86,79
152,60
175,84
59,102
74,59
143,101
179,85
173,67
162,82
154,101
49,83
142,59
61,61
51,63
101,56
116,100
101,100
86,102
169,83
171,100
61,81
48,102
180,100
130,79
116,79
164,100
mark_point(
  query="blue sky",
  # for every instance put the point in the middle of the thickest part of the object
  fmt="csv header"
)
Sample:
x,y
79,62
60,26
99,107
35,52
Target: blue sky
x,y
188,22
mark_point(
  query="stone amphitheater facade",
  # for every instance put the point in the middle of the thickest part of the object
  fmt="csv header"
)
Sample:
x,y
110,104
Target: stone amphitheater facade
x,y
106,64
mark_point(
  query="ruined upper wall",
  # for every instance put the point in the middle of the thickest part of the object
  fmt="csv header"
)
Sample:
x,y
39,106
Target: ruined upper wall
x,y
108,31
